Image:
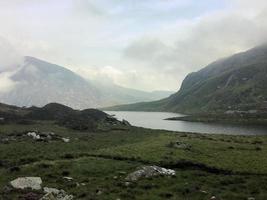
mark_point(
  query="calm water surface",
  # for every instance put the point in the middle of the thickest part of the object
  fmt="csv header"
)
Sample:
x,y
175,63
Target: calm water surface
x,y
155,120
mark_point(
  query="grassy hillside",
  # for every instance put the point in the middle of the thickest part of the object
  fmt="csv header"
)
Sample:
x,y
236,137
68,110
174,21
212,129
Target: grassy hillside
x,y
234,83
228,167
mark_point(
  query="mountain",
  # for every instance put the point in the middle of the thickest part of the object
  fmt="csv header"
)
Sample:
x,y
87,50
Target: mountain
x,y
119,95
39,82
234,83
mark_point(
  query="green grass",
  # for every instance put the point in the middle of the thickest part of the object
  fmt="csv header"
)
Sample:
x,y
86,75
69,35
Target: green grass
x,y
100,161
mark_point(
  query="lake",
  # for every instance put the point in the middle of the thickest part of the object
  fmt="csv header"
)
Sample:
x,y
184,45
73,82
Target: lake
x,y
155,120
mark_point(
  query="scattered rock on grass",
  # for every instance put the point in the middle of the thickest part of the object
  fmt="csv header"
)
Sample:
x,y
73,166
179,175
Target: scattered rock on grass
x,y
34,135
55,194
33,183
149,171
179,145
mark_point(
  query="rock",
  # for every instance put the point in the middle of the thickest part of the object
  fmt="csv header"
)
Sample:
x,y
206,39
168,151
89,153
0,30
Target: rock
x,y
149,171
34,135
126,123
33,183
127,184
99,192
66,140
68,178
51,190
179,145
55,194
213,198
251,198
48,196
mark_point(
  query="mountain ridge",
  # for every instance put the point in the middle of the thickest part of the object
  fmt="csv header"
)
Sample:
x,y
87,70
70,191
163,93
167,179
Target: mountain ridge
x,y
39,82
233,83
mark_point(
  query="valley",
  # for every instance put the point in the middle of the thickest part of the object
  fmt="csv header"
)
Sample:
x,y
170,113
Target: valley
x,y
98,162
90,155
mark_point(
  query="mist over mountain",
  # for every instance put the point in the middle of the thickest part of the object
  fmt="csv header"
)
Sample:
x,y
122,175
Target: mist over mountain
x,y
234,83
37,82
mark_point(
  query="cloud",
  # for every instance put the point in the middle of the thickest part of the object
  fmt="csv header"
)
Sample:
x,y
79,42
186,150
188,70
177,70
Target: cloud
x,y
145,42
9,57
6,84
9,62
202,41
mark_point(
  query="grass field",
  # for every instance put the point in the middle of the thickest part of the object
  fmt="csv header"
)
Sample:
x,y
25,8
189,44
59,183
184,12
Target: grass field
x,y
228,167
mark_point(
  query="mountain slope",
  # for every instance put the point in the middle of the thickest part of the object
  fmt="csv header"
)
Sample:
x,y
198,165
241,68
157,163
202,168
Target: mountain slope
x,y
234,83
120,95
39,83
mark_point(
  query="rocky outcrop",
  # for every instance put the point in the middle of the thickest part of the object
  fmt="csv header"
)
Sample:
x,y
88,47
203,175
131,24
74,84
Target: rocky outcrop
x,y
149,171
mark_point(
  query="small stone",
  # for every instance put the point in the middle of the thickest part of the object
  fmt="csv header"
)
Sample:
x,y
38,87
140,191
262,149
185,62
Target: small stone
x,y
34,135
127,184
48,196
51,190
66,140
213,198
99,192
68,178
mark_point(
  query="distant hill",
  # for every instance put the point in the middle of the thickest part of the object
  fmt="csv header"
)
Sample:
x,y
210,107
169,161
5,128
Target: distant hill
x,y
88,119
234,83
115,94
40,82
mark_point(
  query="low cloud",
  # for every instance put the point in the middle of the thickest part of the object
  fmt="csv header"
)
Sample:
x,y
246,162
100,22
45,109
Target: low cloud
x,y
6,84
147,45
10,60
203,41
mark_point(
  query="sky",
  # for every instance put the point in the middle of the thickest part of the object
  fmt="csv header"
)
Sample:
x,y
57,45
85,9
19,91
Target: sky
x,y
147,45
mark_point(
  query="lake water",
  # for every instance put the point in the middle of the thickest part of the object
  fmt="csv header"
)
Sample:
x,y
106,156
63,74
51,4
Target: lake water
x,y
155,120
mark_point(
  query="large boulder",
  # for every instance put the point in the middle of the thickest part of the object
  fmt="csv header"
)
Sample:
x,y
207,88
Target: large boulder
x,y
149,171
33,183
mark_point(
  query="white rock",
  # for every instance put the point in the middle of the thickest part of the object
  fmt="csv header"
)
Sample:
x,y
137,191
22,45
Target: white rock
x,y
51,190
68,178
34,135
33,183
55,194
66,140
149,171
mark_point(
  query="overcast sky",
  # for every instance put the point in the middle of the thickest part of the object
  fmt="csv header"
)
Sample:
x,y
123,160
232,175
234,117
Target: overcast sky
x,y
148,44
